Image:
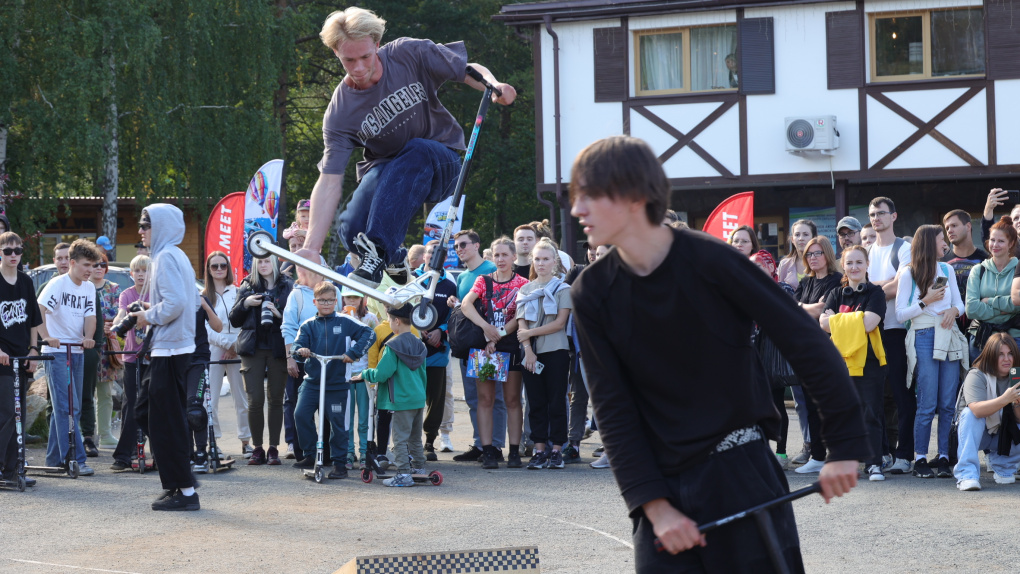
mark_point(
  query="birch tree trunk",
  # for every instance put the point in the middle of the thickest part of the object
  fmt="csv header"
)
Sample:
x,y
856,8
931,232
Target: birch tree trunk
x,y
111,178
3,161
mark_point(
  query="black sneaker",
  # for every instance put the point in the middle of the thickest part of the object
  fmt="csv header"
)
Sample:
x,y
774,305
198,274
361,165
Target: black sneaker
x,y
90,448
471,455
201,462
177,502
571,455
166,494
539,461
555,460
339,471
373,262
943,469
430,452
307,462
120,465
922,470
489,458
499,453
513,460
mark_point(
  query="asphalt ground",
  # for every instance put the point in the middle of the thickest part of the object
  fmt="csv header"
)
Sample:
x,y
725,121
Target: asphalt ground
x,y
271,519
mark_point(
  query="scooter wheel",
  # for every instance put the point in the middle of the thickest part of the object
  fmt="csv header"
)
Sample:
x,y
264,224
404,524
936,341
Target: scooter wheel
x,y
21,484
424,316
255,244
320,474
436,478
366,476
141,466
72,469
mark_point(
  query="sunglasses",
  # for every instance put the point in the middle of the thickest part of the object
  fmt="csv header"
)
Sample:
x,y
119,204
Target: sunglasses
x,y
218,266
13,250
145,226
462,244
100,265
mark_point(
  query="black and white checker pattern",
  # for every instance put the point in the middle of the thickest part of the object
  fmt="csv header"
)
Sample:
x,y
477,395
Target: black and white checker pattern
x,y
497,560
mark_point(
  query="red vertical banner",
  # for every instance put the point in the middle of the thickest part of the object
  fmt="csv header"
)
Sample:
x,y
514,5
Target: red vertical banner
x,y
225,232
733,212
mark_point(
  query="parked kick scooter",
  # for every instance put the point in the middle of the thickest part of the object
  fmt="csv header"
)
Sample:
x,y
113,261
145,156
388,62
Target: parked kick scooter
x,y
140,437
260,243
19,473
213,461
71,460
765,526
319,472
372,469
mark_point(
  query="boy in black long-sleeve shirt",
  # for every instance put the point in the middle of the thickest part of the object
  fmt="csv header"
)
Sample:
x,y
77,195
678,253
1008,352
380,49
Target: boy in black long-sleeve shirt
x,y
682,416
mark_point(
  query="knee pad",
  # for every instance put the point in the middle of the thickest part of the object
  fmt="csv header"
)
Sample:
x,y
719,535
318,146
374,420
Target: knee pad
x,y
198,419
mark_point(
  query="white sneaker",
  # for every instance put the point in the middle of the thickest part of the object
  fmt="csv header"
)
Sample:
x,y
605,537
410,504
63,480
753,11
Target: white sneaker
x,y
290,451
887,461
399,480
784,461
384,462
811,467
602,462
899,466
874,473
445,444
246,450
86,470
968,484
999,479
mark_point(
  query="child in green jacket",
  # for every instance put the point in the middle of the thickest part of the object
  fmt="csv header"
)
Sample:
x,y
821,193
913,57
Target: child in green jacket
x,y
401,378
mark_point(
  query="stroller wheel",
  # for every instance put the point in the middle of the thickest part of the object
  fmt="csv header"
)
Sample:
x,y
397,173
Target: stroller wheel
x,y
72,469
436,478
366,475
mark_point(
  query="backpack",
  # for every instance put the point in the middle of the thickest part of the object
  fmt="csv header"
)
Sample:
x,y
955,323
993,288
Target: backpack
x,y
895,259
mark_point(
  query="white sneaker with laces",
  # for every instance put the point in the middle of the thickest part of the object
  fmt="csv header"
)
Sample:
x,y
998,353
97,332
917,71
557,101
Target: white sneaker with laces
x,y
887,461
899,466
999,479
875,473
811,467
86,470
246,450
290,451
968,484
602,462
445,444
399,480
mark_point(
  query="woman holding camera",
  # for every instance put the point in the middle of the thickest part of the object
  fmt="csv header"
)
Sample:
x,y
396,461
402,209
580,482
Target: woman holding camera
x,y
988,408
930,301
258,312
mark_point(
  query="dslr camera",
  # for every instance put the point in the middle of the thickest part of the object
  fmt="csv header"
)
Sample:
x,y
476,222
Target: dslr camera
x,y
128,322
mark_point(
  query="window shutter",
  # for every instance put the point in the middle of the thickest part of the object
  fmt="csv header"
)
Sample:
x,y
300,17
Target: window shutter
x,y
844,49
757,69
1003,39
610,64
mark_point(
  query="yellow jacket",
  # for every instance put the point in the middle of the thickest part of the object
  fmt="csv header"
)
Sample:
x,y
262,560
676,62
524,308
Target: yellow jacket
x,y
382,333
849,337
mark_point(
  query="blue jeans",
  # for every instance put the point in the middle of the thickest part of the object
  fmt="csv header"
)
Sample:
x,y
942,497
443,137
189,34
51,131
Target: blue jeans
x,y
56,450
498,409
973,438
937,382
800,405
424,171
359,394
337,415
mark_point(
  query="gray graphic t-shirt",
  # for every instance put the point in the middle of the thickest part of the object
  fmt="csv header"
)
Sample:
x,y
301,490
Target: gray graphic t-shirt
x,y
401,106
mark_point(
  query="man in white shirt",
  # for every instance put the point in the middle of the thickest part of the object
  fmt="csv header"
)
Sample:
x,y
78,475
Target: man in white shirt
x,y
886,257
68,306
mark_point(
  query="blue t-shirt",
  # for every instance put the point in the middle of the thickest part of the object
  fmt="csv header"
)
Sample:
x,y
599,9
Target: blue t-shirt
x,y
466,280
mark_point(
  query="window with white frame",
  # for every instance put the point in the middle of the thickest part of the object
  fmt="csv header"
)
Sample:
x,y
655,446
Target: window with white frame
x,y
679,60
927,44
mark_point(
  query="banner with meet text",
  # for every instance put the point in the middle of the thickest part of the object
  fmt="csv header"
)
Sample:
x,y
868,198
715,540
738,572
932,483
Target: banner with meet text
x,y
225,231
733,212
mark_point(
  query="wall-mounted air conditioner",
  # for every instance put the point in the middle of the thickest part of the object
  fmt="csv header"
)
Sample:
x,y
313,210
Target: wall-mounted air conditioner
x,y
815,133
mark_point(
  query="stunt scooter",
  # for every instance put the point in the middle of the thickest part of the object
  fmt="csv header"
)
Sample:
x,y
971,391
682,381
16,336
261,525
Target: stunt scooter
x,y
70,465
318,472
261,245
213,462
19,481
140,464
372,469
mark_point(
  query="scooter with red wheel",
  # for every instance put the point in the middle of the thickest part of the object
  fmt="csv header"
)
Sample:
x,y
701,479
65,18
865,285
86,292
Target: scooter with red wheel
x,y
213,462
20,481
70,466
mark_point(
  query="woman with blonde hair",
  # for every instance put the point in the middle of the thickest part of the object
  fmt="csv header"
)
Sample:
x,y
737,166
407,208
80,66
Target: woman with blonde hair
x,y
822,275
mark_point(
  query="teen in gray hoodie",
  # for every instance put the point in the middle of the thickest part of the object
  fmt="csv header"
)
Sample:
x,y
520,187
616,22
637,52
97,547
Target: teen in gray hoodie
x,y
171,314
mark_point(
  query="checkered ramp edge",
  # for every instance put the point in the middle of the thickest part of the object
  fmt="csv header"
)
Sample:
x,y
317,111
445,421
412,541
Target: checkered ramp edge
x,y
496,560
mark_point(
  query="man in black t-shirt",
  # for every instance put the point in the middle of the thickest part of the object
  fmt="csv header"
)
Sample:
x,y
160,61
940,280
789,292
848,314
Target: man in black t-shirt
x,y
683,417
964,255
20,325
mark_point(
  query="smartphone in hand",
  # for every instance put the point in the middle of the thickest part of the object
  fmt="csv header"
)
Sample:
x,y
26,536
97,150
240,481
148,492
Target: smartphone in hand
x,y
940,282
538,368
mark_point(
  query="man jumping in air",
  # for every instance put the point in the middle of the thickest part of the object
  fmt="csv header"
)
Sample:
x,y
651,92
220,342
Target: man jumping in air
x,y
387,105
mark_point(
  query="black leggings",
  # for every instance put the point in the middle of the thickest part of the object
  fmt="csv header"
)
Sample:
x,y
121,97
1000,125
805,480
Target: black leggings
x,y
547,397
779,399
435,401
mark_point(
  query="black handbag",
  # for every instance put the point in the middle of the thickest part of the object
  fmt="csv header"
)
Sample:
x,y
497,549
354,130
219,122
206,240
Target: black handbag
x,y
464,335
779,371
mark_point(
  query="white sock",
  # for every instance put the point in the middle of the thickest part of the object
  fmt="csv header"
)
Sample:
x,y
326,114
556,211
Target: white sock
x,y
188,491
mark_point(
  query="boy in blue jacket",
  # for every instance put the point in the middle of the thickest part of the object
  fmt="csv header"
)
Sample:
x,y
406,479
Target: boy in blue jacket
x,y
328,334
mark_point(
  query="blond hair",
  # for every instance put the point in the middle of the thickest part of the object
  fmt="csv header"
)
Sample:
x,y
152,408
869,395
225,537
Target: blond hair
x,y
550,246
351,24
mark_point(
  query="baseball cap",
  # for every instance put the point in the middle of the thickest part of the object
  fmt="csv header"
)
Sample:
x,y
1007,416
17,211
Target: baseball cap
x,y
104,242
850,223
304,204
402,311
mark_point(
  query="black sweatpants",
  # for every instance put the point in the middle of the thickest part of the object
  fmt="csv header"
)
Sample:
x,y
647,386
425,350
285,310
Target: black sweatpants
x,y
779,399
195,379
8,428
435,401
127,444
161,402
725,484
547,395
90,374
